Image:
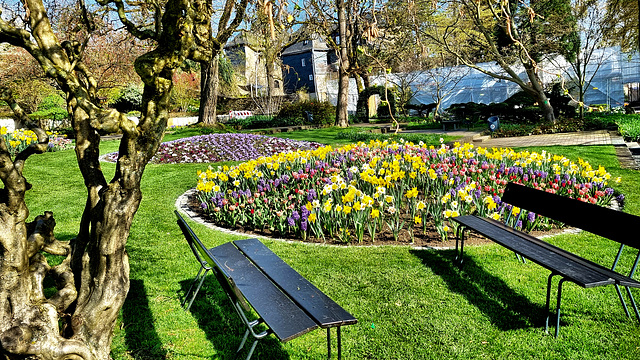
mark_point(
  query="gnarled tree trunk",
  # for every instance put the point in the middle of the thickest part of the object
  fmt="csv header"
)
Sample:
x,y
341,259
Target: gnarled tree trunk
x,y
77,322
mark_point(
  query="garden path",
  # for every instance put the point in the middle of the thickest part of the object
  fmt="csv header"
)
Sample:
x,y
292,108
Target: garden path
x,y
628,153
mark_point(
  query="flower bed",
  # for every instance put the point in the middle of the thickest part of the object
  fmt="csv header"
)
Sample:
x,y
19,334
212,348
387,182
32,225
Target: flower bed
x,y
20,139
221,147
358,192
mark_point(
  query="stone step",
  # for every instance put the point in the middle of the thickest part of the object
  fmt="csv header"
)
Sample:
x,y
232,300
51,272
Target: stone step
x,y
482,138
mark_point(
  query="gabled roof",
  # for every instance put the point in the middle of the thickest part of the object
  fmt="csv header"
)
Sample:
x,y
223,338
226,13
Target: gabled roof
x,y
245,38
307,43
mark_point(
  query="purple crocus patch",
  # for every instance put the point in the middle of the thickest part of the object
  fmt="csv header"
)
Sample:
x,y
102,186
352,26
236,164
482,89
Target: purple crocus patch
x,y
222,147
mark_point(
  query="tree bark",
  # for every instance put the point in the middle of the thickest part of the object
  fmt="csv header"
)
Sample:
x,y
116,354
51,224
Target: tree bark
x,y
93,281
342,116
537,90
209,87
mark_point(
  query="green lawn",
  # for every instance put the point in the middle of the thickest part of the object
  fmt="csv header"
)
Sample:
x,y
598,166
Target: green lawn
x,y
411,304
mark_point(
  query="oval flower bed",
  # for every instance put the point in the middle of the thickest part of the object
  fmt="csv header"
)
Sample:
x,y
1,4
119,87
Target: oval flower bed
x,y
221,147
369,192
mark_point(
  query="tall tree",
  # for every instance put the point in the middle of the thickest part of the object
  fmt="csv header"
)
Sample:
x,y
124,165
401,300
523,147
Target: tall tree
x,y
272,31
590,55
78,320
343,24
623,24
231,18
514,34
342,116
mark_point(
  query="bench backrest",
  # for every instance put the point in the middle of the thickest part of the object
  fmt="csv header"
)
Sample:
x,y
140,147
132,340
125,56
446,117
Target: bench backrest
x,y
612,224
202,254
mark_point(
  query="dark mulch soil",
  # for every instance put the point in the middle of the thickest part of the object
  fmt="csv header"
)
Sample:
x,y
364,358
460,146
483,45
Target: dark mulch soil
x,y
383,237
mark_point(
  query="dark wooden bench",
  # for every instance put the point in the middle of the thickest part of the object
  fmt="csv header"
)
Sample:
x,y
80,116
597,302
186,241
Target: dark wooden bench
x,y
453,122
608,223
255,278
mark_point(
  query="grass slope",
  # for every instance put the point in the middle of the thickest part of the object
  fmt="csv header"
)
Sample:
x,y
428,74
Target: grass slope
x,y
411,304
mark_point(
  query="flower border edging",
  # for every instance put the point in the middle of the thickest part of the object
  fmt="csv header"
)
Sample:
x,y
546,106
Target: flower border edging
x,y
182,204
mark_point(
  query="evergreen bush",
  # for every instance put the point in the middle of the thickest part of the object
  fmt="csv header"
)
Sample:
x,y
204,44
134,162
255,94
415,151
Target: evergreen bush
x,y
129,99
323,113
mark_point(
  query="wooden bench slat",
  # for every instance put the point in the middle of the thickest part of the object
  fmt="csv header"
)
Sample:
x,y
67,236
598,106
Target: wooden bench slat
x,y
593,218
545,256
325,311
279,312
620,279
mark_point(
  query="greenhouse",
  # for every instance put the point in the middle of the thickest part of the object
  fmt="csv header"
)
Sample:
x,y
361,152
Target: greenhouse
x,y
615,80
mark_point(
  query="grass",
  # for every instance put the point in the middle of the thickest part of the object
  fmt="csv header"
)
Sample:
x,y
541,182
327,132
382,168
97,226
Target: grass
x,y
336,136
411,304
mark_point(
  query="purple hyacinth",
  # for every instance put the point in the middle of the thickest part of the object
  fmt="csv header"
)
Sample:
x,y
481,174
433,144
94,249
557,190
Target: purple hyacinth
x,y
311,195
291,221
531,217
303,225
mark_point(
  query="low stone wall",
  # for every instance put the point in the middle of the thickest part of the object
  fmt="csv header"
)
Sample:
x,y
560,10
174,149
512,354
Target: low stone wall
x,y
173,122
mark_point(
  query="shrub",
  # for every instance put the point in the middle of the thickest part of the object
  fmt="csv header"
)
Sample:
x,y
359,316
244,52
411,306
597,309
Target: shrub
x,y
591,122
520,99
323,113
357,135
184,93
362,111
52,107
129,99
628,124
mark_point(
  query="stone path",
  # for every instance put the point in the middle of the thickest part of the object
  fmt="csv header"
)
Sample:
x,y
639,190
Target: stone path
x,y
628,153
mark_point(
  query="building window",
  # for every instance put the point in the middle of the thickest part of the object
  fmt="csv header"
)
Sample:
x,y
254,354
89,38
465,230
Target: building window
x,y
310,77
304,62
338,40
277,84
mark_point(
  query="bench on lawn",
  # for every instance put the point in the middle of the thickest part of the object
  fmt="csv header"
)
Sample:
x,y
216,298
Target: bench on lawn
x,y
454,122
608,223
255,278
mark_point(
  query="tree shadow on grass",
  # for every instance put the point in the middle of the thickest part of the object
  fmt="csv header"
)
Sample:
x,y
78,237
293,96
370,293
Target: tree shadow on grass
x,y
506,309
221,323
140,336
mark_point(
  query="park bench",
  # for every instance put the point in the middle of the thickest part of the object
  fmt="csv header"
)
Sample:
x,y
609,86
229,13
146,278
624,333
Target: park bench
x,y
453,122
256,279
605,222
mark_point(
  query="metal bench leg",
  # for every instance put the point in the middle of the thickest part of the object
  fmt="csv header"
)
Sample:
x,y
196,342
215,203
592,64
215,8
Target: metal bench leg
x,y
459,258
633,304
339,344
624,304
548,305
186,295
328,343
193,297
558,306
244,339
253,347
